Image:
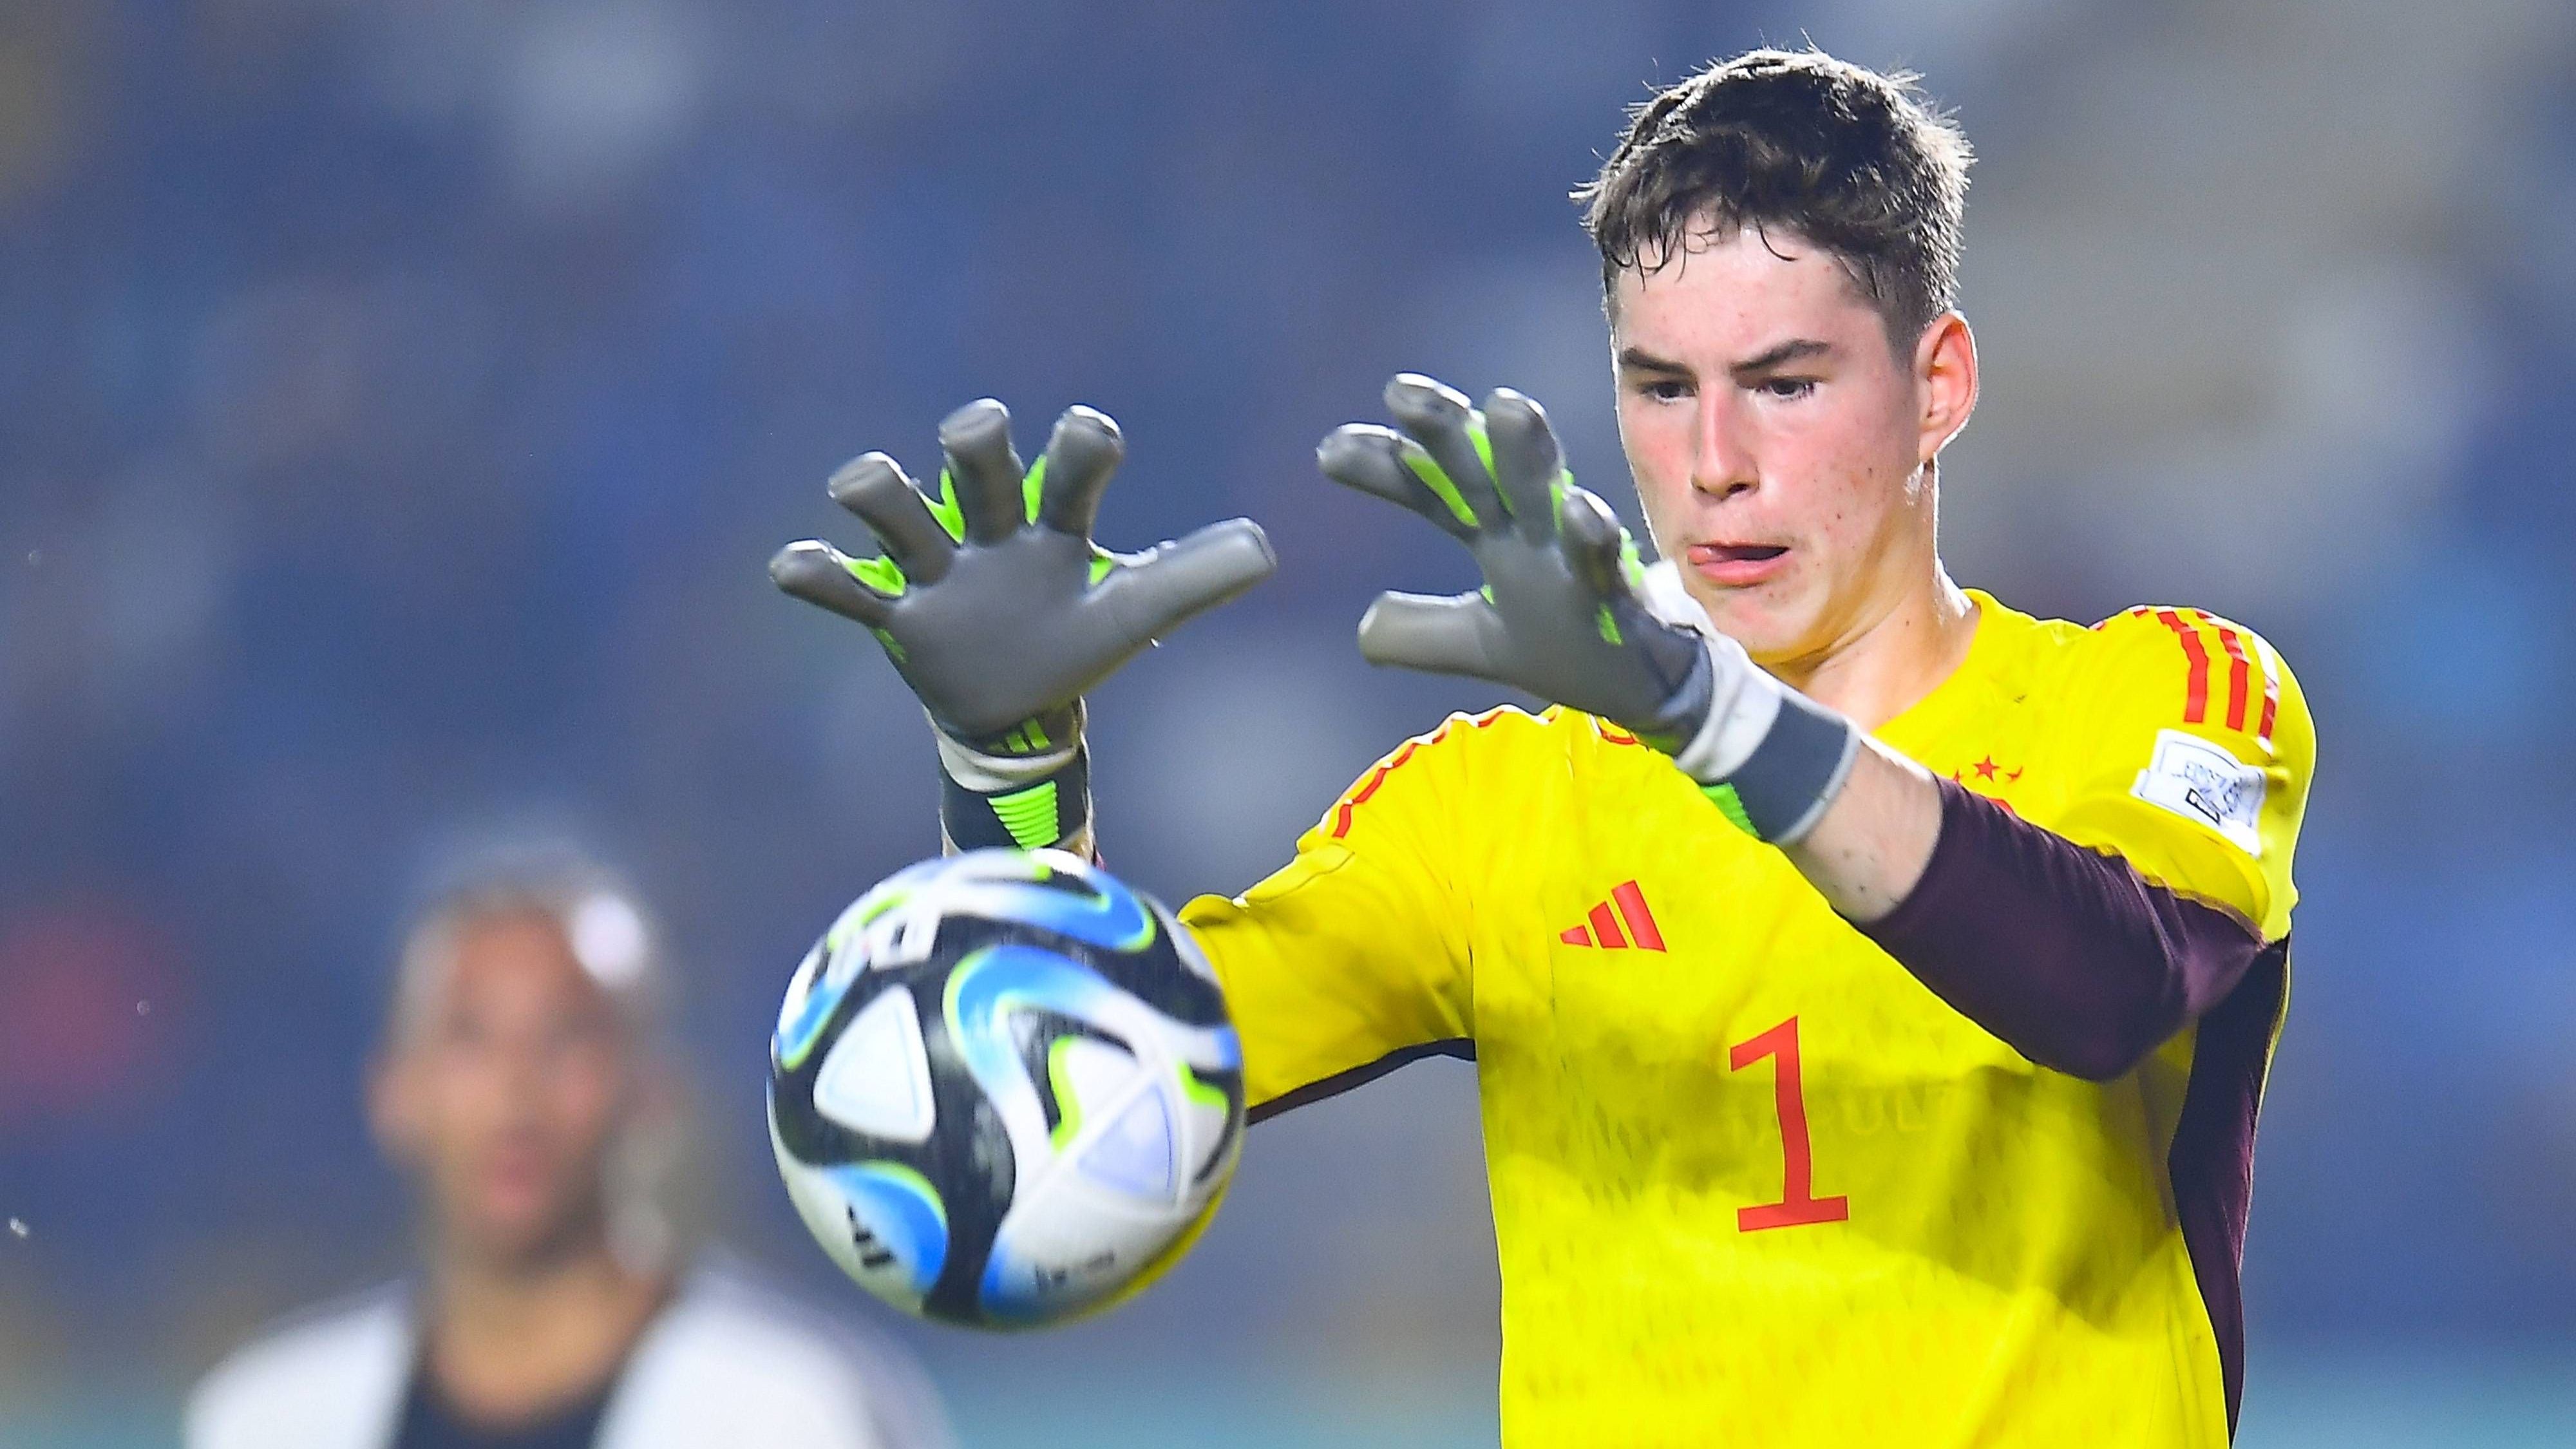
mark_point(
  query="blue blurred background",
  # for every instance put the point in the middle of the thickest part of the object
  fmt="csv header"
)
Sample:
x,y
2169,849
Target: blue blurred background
x,y
399,398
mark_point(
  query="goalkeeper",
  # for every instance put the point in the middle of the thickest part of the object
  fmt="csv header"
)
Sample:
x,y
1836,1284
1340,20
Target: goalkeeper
x,y
1871,986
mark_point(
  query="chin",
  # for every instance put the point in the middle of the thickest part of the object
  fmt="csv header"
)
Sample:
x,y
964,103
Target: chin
x,y
523,1232
1769,626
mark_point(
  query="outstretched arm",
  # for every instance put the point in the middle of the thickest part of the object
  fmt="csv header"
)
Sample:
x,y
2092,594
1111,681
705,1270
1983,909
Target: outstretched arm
x,y
2067,953
999,612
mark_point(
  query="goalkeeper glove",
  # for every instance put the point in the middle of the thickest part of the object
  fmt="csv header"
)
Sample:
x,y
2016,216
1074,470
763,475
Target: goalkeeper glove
x,y
1000,612
1568,614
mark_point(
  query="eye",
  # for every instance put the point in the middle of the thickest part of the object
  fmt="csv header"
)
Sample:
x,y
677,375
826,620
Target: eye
x,y
1787,388
1664,389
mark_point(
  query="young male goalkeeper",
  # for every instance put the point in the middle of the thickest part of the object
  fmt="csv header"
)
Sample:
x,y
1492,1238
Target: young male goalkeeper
x,y
1871,987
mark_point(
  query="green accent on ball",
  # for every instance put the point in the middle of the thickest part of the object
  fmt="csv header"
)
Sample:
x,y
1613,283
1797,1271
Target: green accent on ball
x,y
1731,805
1609,626
911,1178
1029,815
894,650
1068,1107
1103,563
869,910
1204,1093
957,975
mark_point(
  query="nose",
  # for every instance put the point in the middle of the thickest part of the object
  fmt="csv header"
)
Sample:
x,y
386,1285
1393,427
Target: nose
x,y
1722,461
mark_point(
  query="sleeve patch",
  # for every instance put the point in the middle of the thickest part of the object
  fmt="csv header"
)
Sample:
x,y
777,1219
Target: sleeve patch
x,y
2204,782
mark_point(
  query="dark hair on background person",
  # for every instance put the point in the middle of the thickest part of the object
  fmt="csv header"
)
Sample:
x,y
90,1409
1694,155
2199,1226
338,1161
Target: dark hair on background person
x,y
1855,161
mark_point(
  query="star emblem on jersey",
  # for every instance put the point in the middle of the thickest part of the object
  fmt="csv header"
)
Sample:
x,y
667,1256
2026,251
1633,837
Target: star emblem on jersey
x,y
1601,927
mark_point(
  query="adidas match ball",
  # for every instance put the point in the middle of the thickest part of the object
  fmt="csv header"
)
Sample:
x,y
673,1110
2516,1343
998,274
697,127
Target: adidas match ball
x,y
1004,1090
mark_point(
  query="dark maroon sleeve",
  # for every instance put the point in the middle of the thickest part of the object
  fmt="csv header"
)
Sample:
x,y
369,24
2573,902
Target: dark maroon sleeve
x,y
2067,954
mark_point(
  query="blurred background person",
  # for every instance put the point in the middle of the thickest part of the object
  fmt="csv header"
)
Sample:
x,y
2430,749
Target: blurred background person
x,y
525,1089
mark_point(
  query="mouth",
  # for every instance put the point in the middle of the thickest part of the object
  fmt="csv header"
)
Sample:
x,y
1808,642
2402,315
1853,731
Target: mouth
x,y
1738,565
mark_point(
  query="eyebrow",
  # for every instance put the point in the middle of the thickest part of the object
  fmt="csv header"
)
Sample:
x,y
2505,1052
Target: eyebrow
x,y
1639,360
1771,357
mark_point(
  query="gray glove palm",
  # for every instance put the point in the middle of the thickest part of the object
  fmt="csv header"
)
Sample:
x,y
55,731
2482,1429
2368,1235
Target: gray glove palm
x,y
1567,614
991,600
1561,615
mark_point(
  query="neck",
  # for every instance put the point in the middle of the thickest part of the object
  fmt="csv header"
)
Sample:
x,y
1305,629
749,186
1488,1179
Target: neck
x,y
1892,655
511,1338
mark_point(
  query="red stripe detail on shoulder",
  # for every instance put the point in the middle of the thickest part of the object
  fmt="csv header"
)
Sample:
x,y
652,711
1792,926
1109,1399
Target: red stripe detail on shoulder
x,y
2195,705
2271,693
2240,672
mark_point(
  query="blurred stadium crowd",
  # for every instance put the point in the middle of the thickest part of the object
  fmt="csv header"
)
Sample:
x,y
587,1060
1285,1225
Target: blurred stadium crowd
x,y
398,401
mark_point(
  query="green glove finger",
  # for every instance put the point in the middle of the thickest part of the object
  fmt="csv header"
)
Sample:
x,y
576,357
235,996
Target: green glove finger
x,y
1528,467
1084,450
1595,546
986,472
1151,594
820,574
1439,419
1384,463
1459,634
874,487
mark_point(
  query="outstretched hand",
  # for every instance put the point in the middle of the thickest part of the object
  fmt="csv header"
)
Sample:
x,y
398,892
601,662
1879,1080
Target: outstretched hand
x,y
991,599
1563,614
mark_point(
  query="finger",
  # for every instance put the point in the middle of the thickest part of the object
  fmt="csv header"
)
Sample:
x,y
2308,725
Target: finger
x,y
1439,419
818,573
1177,580
1389,465
1085,449
1460,634
977,440
1594,543
874,487
1528,466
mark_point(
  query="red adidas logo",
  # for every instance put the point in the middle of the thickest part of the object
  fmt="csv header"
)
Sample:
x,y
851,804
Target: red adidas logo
x,y
1601,927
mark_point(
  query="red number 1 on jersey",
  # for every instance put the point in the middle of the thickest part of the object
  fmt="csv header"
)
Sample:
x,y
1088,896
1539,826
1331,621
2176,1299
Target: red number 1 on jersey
x,y
1798,1202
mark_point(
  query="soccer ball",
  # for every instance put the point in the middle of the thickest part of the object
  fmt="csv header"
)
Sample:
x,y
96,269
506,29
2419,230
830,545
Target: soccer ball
x,y
1004,1090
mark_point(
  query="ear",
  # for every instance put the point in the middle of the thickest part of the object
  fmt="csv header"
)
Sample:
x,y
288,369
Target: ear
x,y
394,1106
1945,376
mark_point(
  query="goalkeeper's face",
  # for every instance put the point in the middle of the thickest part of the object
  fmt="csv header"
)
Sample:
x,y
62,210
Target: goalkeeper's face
x,y
1781,445
504,1089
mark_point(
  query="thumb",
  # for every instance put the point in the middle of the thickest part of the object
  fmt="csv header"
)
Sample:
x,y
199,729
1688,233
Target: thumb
x,y
1459,634
1174,581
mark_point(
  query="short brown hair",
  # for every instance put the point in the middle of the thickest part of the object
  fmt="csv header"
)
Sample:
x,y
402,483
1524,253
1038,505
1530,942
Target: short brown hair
x,y
1856,162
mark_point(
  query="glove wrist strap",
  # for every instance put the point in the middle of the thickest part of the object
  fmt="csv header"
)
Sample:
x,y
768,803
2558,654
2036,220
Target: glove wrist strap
x,y
1020,801
1051,811
1770,757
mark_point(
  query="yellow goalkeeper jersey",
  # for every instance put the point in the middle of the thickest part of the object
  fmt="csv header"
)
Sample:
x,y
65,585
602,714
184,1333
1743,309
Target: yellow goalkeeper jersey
x,y
1753,1183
